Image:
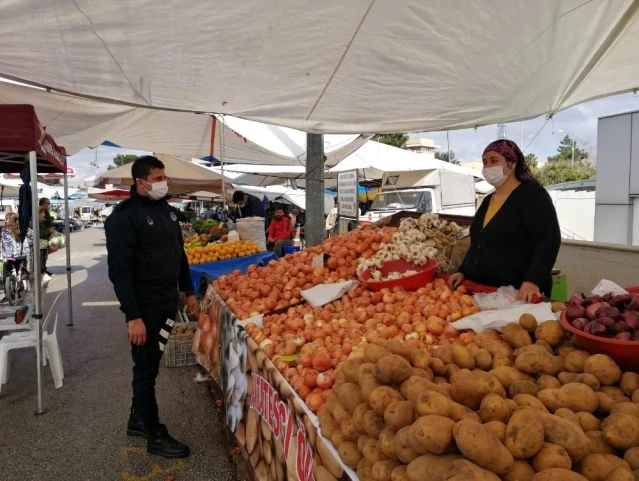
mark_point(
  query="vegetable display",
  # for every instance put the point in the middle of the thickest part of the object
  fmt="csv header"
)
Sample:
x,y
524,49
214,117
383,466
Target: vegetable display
x,y
615,316
528,406
205,226
219,252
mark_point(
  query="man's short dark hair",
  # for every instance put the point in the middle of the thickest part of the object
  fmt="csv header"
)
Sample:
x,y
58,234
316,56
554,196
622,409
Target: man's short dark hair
x,y
142,167
42,201
238,196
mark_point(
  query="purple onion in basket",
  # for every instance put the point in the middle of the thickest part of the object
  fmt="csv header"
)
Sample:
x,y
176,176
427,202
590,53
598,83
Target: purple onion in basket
x,y
588,327
607,311
620,301
634,303
607,322
597,328
636,335
623,336
579,323
631,318
621,326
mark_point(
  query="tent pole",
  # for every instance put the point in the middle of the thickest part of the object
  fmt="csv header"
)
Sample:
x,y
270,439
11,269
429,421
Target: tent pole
x,y
222,166
67,239
314,229
37,275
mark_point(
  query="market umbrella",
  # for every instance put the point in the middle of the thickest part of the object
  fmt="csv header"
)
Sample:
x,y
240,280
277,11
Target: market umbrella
x,y
24,197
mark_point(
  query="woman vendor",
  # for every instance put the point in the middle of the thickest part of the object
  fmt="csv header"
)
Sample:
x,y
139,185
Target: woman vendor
x,y
514,237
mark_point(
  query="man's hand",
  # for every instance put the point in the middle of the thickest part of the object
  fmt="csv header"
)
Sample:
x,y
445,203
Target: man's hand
x,y
528,291
137,332
455,280
270,239
191,305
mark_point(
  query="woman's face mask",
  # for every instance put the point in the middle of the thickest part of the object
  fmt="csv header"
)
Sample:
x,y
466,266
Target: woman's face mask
x,y
495,175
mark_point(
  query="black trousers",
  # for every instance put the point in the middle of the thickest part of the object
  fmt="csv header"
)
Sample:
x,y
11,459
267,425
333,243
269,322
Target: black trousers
x,y
8,266
44,255
146,365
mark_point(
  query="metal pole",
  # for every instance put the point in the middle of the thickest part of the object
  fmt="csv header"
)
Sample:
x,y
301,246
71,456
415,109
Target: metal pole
x,y
222,166
37,275
314,228
68,248
572,163
448,142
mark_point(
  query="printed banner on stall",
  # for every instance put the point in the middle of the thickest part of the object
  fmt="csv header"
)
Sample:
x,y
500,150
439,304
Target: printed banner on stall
x,y
347,194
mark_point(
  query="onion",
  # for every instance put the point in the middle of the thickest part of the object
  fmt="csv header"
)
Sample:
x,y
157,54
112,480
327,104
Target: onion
x,y
314,401
321,361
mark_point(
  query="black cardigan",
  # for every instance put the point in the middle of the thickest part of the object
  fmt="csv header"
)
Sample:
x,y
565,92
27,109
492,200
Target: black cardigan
x,y
519,244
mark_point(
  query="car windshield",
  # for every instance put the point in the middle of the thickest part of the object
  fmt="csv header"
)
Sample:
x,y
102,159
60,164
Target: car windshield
x,y
395,200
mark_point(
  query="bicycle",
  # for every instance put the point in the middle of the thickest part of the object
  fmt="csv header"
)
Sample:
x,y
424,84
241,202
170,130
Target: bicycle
x,y
16,282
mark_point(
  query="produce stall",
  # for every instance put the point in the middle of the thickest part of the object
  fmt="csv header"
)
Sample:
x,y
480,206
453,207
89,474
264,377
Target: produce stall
x,y
385,385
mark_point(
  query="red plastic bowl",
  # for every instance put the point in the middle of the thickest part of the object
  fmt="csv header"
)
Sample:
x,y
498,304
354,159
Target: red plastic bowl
x,y
625,353
425,274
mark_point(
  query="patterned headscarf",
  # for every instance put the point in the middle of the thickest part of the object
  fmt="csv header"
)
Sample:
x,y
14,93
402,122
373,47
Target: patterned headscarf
x,y
512,153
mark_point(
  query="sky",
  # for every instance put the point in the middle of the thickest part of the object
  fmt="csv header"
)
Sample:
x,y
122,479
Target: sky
x,y
579,122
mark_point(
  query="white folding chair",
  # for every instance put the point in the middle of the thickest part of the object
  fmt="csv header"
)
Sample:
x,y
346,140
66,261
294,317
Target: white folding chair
x,y
21,340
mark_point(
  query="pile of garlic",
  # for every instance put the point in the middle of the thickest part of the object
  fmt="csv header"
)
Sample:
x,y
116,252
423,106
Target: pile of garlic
x,y
417,241
378,276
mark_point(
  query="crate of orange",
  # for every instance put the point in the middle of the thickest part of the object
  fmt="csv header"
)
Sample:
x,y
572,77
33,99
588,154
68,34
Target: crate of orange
x,y
221,252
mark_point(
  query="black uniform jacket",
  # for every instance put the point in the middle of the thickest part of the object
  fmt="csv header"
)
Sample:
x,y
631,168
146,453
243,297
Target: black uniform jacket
x,y
519,244
146,258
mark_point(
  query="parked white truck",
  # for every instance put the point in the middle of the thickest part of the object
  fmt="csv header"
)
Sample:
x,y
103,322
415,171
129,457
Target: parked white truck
x,y
440,191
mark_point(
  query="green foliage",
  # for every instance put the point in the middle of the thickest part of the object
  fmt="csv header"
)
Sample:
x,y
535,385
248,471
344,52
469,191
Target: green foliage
x,y
531,161
560,171
564,151
122,159
396,140
444,156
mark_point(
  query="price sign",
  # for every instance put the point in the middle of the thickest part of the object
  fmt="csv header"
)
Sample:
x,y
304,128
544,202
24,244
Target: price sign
x,y
347,194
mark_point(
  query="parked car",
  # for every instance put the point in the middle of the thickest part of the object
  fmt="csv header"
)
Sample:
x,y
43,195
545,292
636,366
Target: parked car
x,y
74,225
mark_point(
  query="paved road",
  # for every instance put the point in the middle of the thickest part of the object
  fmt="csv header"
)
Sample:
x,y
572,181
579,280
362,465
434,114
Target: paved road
x,y
82,435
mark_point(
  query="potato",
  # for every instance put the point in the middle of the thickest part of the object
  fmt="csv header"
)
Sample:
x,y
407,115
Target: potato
x,y
431,467
483,359
337,439
351,431
632,458
558,474
499,347
626,408
321,473
539,362
375,352
350,396
528,322
588,422
373,424
398,414
381,397
349,454
463,470
502,360
365,470
462,357
596,467
445,353
359,412
392,369
548,382
598,444
414,386
340,378
603,368
451,370
364,372
516,336
420,358
566,434
400,473
382,469
328,424
477,444
620,474
470,389
438,366
528,401
399,348
615,393
629,383
551,456
425,373
635,396
621,431
564,349
403,446
372,451
386,442
325,454
606,403
441,379
521,471
574,396
497,429
550,332
350,368
494,408
432,434
524,434
557,306
588,379
523,387
539,343
364,441
508,375
568,415
574,361
459,412
431,402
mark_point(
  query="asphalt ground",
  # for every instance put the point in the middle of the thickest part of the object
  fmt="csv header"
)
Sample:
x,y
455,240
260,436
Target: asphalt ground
x,y
82,434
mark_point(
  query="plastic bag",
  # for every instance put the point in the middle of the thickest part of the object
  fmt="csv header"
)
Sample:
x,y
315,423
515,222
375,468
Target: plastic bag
x,y
57,241
504,298
606,287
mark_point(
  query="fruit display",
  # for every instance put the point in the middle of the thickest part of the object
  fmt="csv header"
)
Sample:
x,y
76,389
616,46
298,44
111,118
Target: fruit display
x,y
615,316
218,252
204,226
525,405
195,240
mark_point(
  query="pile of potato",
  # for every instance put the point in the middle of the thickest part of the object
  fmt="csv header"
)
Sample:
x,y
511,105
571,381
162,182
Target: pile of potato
x,y
532,406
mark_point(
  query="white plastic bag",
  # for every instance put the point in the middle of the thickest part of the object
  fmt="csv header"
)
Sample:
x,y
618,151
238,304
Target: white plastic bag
x,y
497,320
605,287
504,298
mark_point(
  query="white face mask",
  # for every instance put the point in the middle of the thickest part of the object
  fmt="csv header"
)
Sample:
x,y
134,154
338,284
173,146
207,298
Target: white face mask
x,y
494,175
158,190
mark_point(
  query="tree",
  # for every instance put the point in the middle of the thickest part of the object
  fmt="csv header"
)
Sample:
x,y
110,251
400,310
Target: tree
x,y
560,171
396,140
122,159
444,156
564,151
531,161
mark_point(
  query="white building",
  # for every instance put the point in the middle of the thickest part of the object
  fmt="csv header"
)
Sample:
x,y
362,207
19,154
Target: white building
x,y
420,145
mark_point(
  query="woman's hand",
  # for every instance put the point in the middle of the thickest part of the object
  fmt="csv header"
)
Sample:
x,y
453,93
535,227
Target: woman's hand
x,y
455,280
528,291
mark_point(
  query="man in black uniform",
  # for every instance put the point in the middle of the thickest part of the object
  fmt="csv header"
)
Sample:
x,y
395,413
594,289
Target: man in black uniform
x,y
147,266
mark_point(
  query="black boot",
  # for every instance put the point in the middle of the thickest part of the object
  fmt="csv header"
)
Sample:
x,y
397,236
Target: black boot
x,y
162,444
136,425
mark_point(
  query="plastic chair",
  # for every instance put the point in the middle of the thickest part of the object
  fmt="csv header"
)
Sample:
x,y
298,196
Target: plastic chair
x,y
21,340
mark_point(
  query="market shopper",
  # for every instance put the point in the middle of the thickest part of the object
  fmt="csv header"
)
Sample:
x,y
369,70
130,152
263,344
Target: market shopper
x,y
148,266
515,235
248,204
46,229
12,248
280,231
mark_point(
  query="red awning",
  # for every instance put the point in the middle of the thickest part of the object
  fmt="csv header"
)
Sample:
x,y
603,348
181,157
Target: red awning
x,y
21,133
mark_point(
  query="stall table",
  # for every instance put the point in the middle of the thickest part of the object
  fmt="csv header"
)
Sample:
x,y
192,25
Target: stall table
x,y
213,270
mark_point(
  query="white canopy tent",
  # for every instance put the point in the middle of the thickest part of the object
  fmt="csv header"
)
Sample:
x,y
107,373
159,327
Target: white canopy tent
x,y
348,67
285,195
